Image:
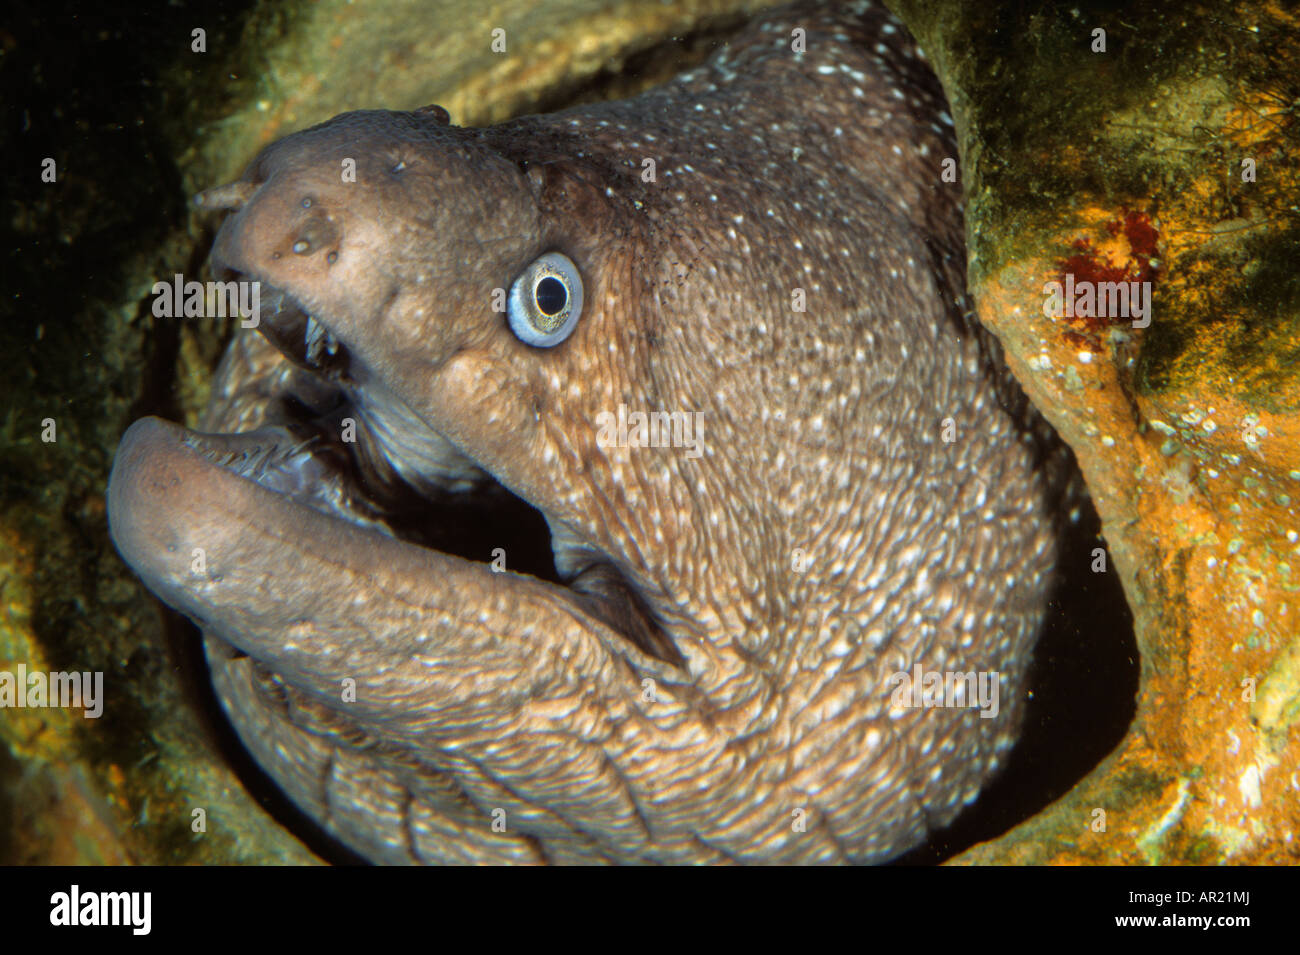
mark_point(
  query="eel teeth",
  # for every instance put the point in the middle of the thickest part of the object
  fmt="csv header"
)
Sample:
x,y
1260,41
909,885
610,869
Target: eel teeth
x,y
318,338
315,339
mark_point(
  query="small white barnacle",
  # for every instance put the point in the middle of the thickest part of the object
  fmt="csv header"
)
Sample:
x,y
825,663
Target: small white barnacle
x,y
545,301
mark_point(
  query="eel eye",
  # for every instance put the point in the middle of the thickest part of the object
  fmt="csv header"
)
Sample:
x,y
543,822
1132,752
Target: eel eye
x,y
545,301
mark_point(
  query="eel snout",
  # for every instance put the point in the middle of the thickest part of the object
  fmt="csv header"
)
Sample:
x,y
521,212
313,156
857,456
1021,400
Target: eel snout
x,y
388,228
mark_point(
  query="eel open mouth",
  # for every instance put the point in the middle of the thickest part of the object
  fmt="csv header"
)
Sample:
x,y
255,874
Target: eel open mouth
x,y
356,453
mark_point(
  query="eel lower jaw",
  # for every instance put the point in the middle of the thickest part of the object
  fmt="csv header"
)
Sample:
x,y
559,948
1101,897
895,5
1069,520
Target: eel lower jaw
x,y
178,498
238,531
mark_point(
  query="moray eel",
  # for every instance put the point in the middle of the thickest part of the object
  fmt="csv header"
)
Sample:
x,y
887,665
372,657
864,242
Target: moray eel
x,y
613,471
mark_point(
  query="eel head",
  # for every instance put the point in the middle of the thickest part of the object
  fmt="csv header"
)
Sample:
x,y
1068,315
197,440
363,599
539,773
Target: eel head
x,y
463,603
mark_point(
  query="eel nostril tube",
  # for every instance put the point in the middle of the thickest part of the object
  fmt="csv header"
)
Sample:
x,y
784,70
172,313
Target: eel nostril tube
x,y
232,195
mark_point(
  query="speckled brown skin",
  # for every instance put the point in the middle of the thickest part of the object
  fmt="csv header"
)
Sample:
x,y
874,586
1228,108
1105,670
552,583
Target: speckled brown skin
x,y
827,538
